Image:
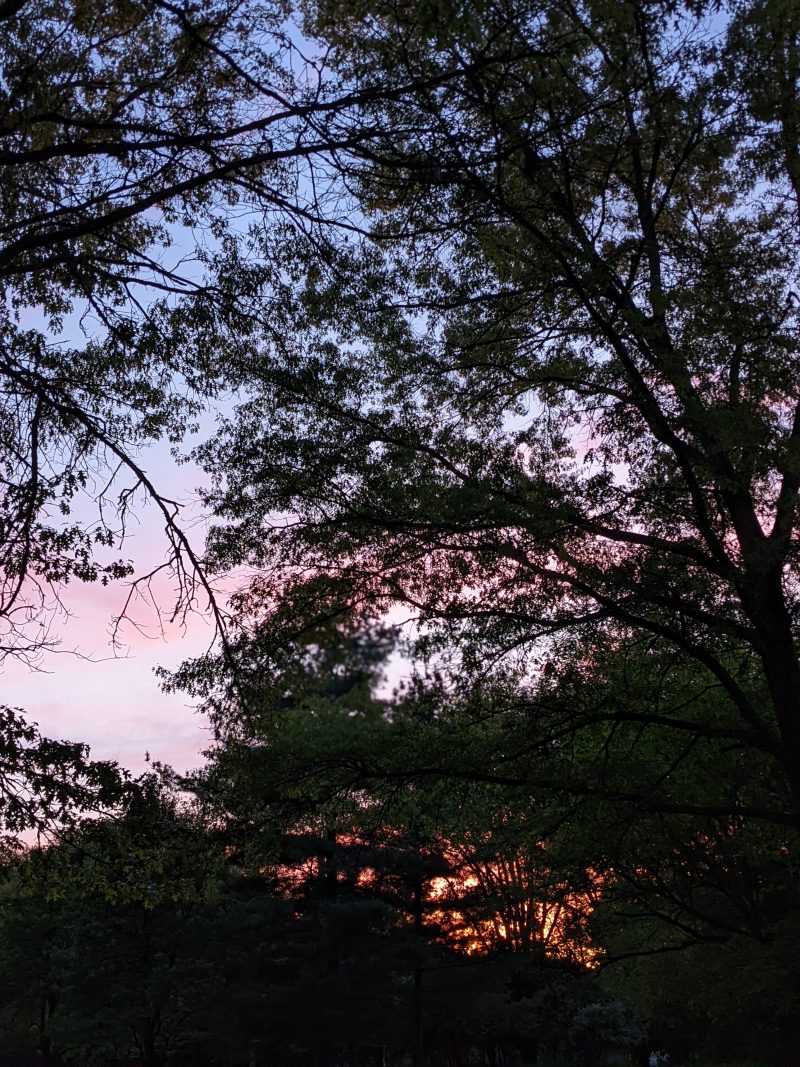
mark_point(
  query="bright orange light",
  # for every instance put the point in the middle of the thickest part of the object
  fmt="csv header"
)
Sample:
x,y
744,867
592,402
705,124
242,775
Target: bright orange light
x,y
498,904
485,902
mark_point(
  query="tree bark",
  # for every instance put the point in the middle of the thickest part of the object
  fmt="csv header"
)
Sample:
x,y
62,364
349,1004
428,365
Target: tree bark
x,y
765,603
418,1051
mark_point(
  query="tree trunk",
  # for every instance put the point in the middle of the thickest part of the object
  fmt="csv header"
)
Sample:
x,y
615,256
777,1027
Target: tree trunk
x,y
45,1046
329,865
766,606
147,1045
417,1051
790,1038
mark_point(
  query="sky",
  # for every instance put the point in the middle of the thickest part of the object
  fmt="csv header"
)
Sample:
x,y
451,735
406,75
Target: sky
x,y
111,699
88,690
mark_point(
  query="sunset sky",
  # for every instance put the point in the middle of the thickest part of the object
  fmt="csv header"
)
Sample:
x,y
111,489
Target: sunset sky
x,y
113,701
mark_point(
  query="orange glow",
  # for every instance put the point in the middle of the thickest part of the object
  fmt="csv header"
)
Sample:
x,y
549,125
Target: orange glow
x,y
513,904
484,903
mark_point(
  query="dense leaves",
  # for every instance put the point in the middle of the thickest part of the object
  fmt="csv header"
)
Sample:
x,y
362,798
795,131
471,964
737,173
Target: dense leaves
x,y
549,403
46,784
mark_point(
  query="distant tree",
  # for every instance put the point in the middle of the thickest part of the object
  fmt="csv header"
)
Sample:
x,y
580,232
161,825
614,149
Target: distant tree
x,y
30,968
601,1029
502,896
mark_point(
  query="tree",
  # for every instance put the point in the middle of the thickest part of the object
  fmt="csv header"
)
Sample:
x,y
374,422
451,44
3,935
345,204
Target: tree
x,y
504,897
549,404
138,141
113,941
546,407
46,785
143,148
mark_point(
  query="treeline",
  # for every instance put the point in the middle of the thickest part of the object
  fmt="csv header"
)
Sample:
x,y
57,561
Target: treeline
x,y
118,947
153,944
147,940
310,897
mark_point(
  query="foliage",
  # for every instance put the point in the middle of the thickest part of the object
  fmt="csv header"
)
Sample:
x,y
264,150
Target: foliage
x,y
137,143
602,1028
111,111
546,406
108,941
613,844
527,381
45,784
543,408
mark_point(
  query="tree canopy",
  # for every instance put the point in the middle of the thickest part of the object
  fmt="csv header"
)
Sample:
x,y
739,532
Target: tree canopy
x,y
503,298
547,405
540,403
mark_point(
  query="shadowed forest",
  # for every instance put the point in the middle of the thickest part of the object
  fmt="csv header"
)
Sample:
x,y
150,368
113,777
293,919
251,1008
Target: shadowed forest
x,y
473,325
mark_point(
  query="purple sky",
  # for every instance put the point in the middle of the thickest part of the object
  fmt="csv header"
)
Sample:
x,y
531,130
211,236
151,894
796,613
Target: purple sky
x,y
114,701
113,704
